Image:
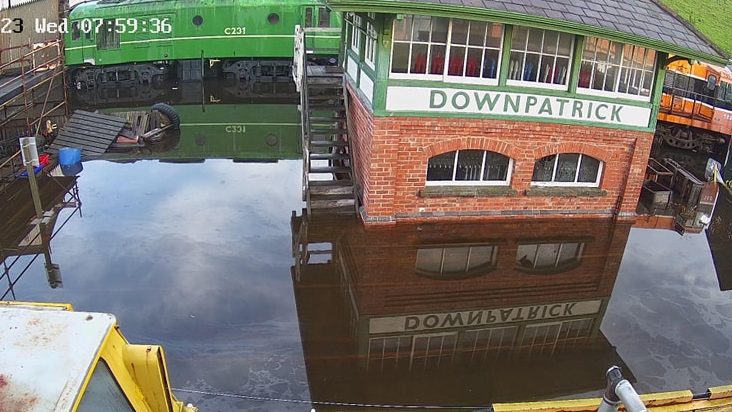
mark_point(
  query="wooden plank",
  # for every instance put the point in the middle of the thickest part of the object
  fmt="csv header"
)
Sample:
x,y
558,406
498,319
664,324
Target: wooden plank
x,y
104,134
112,120
84,146
91,140
93,133
71,142
96,117
91,126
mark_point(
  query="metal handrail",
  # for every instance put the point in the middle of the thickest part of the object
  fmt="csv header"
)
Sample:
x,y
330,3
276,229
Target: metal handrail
x,y
350,147
300,76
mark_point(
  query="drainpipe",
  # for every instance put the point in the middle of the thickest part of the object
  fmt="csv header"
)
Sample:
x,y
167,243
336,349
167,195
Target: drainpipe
x,y
620,390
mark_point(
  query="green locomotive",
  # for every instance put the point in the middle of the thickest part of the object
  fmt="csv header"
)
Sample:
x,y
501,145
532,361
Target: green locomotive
x,y
109,42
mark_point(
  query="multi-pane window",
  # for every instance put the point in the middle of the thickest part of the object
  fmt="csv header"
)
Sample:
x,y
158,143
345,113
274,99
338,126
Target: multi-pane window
x,y
407,353
323,17
353,29
456,262
546,257
390,353
567,169
546,338
613,68
370,41
433,352
449,48
108,37
540,56
487,344
469,167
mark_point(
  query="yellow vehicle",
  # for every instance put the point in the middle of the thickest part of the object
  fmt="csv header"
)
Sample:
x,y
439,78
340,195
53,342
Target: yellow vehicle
x,y
56,359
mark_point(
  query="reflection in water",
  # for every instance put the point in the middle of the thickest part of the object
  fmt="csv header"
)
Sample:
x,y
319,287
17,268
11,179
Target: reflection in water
x,y
198,257
23,237
719,234
456,313
218,121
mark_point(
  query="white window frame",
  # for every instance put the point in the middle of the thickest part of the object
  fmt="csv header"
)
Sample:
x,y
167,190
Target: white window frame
x,y
453,182
557,265
355,33
476,354
390,360
575,183
467,271
445,77
536,83
550,342
369,51
445,353
624,64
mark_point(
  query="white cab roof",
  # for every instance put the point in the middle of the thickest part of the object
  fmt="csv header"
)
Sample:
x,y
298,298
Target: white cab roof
x,y
45,354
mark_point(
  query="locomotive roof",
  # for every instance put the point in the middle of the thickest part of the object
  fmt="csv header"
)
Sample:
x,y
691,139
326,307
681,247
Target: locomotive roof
x,y
38,338
643,22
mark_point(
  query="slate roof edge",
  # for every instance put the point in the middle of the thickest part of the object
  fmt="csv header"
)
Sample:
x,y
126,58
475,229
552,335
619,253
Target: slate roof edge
x,y
507,17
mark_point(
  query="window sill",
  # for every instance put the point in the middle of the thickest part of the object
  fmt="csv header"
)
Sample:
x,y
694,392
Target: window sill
x,y
548,270
562,191
466,191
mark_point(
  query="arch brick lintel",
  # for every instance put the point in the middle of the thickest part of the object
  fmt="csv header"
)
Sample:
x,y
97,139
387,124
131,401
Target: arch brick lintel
x,y
478,143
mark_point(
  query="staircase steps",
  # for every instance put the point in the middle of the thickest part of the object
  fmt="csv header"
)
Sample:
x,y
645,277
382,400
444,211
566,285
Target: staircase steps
x,y
329,156
330,185
328,143
328,132
330,169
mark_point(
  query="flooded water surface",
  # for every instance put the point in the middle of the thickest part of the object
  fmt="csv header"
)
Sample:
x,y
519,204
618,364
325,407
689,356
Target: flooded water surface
x,y
208,258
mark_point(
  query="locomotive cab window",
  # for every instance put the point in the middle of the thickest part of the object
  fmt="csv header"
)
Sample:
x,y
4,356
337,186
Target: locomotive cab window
x,y
108,37
323,17
75,30
308,17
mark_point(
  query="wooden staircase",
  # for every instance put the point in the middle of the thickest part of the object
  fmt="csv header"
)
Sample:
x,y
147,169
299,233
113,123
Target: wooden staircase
x,y
328,182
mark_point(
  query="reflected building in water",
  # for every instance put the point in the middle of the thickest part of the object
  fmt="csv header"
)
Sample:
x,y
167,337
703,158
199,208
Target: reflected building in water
x,y
462,313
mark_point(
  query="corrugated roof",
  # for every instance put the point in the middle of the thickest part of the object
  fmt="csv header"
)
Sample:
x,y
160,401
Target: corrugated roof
x,y
626,19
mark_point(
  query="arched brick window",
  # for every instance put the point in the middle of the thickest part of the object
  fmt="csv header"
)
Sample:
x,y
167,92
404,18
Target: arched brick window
x,y
469,167
548,258
567,169
456,262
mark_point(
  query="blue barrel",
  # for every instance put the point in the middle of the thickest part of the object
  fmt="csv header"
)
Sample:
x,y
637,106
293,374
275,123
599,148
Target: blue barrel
x,y
72,170
68,156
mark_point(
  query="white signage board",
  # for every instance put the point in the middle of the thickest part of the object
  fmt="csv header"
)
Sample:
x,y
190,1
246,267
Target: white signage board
x,y
482,317
498,103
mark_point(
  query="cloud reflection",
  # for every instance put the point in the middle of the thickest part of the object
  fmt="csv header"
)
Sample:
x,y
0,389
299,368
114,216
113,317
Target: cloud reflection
x,y
668,314
190,256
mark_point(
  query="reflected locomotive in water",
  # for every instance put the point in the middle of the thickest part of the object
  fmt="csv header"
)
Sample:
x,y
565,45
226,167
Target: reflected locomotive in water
x,y
109,42
215,119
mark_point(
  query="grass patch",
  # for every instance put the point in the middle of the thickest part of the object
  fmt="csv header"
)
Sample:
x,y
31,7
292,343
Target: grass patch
x,y
710,17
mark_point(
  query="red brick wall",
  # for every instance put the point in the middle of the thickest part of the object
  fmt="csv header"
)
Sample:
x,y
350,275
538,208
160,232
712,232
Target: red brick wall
x,y
383,257
392,154
361,128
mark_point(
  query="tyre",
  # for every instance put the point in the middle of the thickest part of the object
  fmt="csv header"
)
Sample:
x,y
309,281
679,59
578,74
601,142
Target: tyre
x,y
169,112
